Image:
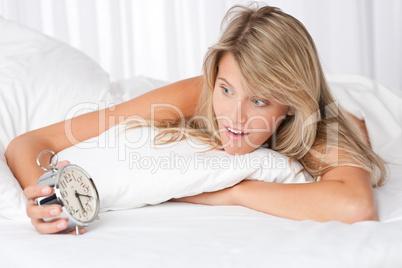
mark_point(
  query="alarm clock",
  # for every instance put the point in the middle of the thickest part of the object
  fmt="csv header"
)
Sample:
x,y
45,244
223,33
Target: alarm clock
x,y
74,191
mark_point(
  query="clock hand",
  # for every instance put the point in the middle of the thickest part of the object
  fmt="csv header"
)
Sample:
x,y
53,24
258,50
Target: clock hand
x,y
76,193
79,200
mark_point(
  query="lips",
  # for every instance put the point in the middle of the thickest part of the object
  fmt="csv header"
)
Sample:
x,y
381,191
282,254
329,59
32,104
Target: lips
x,y
235,134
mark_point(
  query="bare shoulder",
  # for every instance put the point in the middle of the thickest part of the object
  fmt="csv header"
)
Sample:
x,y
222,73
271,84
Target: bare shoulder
x,y
338,164
343,167
361,124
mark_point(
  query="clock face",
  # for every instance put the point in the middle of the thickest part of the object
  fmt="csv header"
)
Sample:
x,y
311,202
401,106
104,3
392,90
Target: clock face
x,y
78,194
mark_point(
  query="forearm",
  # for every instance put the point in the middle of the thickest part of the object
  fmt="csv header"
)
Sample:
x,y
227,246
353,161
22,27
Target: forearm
x,y
320,201
22,152
21,157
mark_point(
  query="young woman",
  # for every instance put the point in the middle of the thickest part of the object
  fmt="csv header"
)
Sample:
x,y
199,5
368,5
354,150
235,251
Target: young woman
x,y
267,84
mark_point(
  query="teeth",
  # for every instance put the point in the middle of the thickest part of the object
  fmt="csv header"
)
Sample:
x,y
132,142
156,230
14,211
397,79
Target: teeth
x,y
235,131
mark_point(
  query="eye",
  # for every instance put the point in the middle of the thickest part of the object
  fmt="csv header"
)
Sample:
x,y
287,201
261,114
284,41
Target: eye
x,y
259,102
226,91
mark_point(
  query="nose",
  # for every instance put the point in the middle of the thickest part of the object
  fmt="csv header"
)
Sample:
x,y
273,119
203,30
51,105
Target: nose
x,y
239,113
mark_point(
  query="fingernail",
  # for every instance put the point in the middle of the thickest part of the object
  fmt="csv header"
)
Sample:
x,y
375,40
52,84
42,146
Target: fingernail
x,y
46,190
61,225
54,212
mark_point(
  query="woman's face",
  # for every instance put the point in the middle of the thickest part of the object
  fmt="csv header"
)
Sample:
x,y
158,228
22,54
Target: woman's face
x,y
245,122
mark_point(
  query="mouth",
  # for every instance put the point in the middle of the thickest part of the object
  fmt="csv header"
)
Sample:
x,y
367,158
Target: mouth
x,y
235,134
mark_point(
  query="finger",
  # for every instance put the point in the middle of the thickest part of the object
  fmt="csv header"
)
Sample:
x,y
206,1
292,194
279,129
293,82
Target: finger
x,y
36,213
39,212
50,227
34,191
57,226
62,163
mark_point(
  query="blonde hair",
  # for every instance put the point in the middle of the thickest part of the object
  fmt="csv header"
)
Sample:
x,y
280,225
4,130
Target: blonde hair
x,y
278,60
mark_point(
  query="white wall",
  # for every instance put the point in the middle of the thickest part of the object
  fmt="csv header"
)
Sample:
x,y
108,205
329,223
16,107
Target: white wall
x,y
167,39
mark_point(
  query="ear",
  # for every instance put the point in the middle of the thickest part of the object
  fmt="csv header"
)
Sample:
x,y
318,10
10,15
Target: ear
x,y
291,111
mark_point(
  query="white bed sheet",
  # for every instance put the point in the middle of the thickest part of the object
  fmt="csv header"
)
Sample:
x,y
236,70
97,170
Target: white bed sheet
x,y
187,235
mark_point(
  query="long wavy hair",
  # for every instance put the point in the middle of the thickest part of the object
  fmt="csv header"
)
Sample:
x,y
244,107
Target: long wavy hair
x,y
278,60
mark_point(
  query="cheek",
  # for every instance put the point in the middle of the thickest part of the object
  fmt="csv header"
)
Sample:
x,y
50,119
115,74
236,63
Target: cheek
x,y
216,103
267,122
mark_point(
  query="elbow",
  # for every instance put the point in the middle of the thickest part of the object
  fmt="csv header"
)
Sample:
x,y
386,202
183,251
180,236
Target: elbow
x,y
10,148
360,209
18,144
14,150
14,147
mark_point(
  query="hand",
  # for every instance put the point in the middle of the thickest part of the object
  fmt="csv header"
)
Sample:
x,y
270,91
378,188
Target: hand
x,y
223,197
37,213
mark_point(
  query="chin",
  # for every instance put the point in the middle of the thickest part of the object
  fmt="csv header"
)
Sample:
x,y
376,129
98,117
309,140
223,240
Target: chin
x,y
238,151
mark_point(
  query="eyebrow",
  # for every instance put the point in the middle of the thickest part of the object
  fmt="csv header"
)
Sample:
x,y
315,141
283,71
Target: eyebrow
x,y
226,81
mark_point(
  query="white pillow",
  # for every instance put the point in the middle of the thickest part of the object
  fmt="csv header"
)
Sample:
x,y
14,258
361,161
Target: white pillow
x,y
12,199
42,81
130,172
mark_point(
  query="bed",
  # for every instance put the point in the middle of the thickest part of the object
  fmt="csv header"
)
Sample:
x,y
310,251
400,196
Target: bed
x,y
43,81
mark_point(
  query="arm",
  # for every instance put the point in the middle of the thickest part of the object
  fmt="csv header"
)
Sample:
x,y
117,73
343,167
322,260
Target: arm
x,y
22,151
344,194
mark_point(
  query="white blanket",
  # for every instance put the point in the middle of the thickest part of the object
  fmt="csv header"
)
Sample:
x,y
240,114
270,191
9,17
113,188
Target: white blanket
x,y
379,106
